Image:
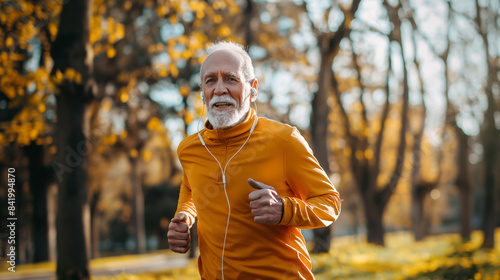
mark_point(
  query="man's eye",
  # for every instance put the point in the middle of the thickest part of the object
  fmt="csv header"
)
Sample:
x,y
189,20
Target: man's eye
x,y
209,81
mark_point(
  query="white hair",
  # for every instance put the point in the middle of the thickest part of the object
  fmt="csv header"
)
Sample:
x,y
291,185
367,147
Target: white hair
x,y
248,70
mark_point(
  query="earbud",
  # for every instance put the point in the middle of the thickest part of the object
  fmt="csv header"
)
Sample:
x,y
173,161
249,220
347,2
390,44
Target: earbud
x,y
202,97
254,94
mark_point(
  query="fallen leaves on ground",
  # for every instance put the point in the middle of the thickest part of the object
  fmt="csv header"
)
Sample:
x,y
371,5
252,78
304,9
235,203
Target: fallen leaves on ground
x,y
443,256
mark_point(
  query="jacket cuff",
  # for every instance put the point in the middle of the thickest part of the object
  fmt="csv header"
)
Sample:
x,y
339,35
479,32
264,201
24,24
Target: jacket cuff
x,y
286,215
190,218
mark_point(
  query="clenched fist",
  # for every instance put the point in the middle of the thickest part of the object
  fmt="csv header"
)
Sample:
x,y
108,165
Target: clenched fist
x,y
178,234
266,204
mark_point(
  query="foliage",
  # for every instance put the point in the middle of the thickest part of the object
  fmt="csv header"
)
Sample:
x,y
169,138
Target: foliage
x,y
404,259
135,44
26,88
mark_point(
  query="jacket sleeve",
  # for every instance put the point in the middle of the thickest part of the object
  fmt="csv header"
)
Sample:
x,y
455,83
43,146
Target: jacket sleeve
x,y
316,202
185,203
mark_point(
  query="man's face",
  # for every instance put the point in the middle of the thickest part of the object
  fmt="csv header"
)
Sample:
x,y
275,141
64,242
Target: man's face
x,y
225,88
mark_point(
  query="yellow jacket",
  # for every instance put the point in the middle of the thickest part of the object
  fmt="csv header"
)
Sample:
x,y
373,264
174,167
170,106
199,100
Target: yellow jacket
x,y
277,155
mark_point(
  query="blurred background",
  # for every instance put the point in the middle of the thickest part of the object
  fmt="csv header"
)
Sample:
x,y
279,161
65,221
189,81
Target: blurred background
x,y
400,101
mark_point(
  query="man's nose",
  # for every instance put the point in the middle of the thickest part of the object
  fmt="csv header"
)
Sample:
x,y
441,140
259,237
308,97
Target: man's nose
x,y
220,87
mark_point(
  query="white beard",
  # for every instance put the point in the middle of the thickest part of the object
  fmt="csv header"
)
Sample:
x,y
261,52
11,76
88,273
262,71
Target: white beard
x,y
229,119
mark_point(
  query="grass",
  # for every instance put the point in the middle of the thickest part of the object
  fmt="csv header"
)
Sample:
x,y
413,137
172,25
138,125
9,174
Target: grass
x,y
95,264
437,257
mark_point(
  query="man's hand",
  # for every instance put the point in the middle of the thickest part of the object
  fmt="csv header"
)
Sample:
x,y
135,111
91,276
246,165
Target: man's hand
x,y
266,204
178,234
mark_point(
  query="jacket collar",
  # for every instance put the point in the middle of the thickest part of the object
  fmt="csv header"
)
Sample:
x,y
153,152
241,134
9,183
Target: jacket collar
x,y
240,130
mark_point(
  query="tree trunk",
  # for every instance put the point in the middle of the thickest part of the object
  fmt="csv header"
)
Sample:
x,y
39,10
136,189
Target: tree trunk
x,y
466,204
94,214
418,216
245,24
194,240
322,240
463,184
140,228
374,224
462,181
320,112
489,132
419,190
38,181
490,218
329,45
319,130
417,193
420,225
71,51
23,213
378,197
73,210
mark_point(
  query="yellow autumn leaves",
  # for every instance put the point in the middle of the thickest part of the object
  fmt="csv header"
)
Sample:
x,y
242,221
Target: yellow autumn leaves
x,y
70,75
352,258
29,123
113,32
403,258
27,126
30,23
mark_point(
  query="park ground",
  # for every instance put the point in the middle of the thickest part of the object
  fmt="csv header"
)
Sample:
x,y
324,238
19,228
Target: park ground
x,y
443,256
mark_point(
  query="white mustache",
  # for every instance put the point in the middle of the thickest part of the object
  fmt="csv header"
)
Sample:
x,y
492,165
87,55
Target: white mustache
x,y
221,98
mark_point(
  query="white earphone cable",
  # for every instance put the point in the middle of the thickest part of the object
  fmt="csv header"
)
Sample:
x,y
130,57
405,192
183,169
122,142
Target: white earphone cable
x,y
224,174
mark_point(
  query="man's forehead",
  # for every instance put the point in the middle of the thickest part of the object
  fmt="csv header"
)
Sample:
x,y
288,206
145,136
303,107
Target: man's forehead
x,y
221,71
224,61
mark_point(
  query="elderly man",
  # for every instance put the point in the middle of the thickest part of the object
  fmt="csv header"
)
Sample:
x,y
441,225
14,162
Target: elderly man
x,y
252,182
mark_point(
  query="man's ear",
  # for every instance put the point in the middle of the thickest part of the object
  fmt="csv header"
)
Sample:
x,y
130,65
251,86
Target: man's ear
x,y
255,85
